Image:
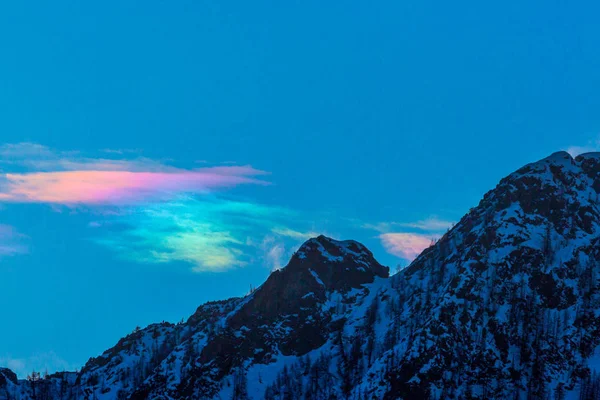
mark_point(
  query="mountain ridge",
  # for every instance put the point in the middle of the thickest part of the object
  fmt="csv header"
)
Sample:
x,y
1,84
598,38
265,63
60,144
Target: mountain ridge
x,y
505,305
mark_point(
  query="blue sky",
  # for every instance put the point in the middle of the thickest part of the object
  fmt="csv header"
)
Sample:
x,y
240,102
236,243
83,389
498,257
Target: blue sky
x,y
220,136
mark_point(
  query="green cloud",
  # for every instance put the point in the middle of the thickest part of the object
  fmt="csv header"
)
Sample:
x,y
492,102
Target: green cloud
x,y
212,234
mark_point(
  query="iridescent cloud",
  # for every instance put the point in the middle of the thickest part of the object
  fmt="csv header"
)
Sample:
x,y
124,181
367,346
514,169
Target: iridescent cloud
x,y
148,210
212,234
119,187
68,178
405,245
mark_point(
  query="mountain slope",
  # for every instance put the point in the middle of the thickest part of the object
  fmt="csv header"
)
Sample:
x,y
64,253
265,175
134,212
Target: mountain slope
x,y
506,305
509,297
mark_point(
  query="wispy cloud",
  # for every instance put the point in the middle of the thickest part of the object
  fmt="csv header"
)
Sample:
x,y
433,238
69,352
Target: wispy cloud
x,y
430,224
145,210
39,362
287,232
11,241
37,157
118,187
152,211
67,178
211,233
19,152
405,245
574,151
274,252
408,239
591,146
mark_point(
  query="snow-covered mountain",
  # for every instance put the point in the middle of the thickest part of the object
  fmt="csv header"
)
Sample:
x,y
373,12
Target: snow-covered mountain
x,y
506,305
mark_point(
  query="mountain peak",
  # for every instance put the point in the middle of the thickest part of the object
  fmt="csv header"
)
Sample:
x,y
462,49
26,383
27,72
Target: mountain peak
x,y
331,249
335,264
559,156
563,158
320,266
559,159
295,295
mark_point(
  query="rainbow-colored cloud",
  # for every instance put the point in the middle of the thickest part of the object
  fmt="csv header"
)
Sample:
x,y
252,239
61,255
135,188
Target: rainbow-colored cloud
x,y
211,233
166,213
119,187
68,179
163,213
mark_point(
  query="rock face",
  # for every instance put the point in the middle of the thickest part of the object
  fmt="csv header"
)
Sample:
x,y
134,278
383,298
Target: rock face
x,y
506,305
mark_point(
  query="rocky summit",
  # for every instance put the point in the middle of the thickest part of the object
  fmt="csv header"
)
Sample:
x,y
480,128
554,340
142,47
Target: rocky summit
x,y
506,305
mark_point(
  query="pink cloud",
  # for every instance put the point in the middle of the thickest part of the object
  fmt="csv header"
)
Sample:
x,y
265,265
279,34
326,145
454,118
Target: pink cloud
x,y
405,245
71,179
118,186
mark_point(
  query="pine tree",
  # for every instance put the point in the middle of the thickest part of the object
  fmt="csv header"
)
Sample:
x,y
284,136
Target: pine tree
x,y
33,379
240,385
